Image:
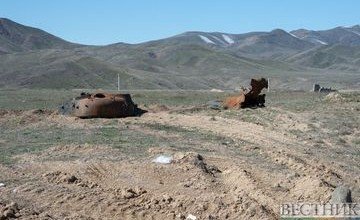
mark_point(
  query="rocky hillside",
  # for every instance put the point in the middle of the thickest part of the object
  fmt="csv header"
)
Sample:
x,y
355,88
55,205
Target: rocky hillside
x,y
32,58
15,37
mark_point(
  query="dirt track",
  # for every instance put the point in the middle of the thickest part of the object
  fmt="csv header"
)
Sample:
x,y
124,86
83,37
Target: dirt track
x,y
293,166
248,178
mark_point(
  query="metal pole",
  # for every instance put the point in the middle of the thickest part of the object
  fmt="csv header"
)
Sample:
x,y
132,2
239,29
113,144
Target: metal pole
x,y
268,85
118,82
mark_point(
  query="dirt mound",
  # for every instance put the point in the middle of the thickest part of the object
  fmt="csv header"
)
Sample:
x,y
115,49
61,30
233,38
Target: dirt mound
x,y
130,193
25,117
191,185
5,112
334,97
195,160
59,177
9,211
158,108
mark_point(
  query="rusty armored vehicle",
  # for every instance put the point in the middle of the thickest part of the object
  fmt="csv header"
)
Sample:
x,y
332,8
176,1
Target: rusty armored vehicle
x,y
101,105
251,99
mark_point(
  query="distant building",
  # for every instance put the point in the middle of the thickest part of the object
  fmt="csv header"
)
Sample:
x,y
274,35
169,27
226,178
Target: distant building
x,y
318,88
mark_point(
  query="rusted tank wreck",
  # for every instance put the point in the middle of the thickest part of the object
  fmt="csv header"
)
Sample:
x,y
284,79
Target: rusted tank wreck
x,y
251,99
101,105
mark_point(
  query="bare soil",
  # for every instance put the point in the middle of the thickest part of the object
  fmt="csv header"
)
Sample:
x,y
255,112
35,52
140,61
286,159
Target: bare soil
x,y
224,166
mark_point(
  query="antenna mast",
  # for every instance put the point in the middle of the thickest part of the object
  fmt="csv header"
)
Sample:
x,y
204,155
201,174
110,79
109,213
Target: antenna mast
x,y
118,82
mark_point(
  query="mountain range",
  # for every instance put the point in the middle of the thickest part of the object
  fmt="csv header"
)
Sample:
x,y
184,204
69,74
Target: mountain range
x,y
33,58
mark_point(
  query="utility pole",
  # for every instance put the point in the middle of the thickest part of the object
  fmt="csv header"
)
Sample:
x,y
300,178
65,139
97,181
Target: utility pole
x,y
118,82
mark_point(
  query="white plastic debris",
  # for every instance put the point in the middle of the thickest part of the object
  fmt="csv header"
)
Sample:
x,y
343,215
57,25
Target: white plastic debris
x,y
191,217
163,159
2,185
216,90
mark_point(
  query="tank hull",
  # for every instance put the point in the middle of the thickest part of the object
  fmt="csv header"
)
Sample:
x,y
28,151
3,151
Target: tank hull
x,y
102,105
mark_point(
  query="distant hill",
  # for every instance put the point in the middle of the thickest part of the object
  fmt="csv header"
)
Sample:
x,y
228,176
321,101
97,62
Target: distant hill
x,y
15,37
347,36
32,58
336,57
274,44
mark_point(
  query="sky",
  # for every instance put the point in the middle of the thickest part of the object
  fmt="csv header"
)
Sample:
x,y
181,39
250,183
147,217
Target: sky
x,y
101,22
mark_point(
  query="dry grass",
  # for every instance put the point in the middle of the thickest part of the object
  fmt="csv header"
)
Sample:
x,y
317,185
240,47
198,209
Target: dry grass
x,y
308,143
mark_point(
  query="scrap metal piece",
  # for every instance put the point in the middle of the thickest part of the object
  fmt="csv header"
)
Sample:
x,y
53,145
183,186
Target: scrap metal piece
x,y
251,98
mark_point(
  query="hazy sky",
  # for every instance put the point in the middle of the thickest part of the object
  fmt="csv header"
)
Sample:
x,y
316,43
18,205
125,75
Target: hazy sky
x,y
133,21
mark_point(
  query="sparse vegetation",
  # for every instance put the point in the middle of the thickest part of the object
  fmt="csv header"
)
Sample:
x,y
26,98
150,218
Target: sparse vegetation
x,y
182,159
296,134
179,62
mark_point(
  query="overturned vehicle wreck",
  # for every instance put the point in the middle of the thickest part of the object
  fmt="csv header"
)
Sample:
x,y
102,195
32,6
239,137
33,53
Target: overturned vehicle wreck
x,y
101,105
246,99
250,99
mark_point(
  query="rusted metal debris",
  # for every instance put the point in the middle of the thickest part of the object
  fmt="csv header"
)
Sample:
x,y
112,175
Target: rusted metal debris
x,y
101,105
318,88
251,99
